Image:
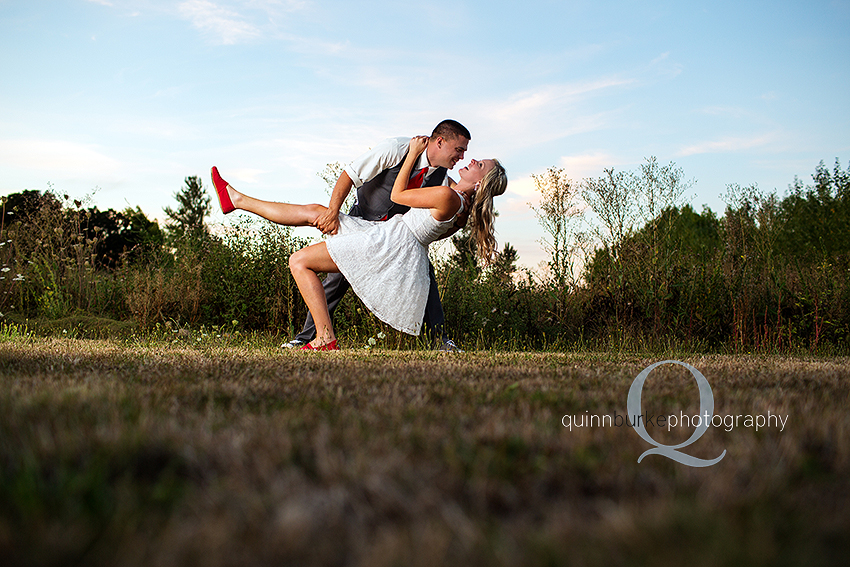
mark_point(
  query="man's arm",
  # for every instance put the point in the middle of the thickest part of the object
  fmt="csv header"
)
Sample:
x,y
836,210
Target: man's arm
x,y
328,222
365,167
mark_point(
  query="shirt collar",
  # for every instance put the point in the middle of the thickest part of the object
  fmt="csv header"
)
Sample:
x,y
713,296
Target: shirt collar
x,y
423,162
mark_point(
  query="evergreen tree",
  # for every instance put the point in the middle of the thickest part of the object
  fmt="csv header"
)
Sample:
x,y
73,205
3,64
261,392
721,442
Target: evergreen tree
x,y
193,206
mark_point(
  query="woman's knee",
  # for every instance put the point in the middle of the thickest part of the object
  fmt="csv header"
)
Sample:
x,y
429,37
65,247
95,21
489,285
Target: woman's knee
x,y
296,261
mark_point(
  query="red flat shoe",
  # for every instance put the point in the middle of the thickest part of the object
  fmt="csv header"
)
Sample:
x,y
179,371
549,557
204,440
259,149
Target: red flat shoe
x,y
221,191
329,346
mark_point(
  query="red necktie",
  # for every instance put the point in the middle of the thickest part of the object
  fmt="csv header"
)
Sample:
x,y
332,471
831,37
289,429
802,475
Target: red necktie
x,y
416,181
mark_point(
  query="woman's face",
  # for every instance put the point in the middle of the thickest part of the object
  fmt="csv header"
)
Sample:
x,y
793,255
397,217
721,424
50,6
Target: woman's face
x,y
476,170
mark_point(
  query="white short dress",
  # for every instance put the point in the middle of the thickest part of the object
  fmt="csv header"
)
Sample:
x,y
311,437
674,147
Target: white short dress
x,y
386,263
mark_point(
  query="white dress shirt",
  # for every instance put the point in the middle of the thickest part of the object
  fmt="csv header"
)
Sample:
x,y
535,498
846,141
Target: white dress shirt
x,y
386,155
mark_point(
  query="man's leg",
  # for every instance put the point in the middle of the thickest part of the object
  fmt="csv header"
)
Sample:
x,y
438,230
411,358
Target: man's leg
x,y
435,320
335,287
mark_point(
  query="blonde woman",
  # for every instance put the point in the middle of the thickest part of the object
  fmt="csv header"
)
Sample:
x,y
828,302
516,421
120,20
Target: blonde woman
x,y
385,262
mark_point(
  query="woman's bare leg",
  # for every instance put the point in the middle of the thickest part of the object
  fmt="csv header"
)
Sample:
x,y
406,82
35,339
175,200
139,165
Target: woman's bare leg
x,y
305,266
280,213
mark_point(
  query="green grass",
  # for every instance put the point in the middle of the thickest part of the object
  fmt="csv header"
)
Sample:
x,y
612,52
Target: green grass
x,y
221,452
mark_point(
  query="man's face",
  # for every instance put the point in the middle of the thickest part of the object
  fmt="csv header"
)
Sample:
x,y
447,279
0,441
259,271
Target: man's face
x,y
448,152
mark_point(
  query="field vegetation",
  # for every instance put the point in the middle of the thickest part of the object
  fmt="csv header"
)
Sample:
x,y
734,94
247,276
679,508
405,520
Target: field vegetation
x,y
631,267
220,452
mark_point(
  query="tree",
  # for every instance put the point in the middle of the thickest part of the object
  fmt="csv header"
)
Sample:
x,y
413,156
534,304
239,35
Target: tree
x,y
465,255
611,199
193,207
558,214
817,217
622,200
121,236
24,206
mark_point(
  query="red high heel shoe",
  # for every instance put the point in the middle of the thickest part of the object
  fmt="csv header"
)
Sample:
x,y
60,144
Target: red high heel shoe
x,y
221,191
328,346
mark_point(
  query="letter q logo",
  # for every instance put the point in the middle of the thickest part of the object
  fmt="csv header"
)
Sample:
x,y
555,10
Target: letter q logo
x,y
706,406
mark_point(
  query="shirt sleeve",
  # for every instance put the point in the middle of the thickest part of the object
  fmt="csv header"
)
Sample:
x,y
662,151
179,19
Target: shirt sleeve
x,y
385,155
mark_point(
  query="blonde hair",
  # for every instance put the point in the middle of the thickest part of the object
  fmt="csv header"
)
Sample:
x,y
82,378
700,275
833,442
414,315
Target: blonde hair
x,y
481,213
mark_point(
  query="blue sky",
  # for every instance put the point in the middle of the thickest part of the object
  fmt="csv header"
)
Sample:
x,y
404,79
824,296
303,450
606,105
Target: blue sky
x,y
128,97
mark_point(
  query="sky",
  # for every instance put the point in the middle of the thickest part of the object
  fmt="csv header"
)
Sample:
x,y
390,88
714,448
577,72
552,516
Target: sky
x,y
120,100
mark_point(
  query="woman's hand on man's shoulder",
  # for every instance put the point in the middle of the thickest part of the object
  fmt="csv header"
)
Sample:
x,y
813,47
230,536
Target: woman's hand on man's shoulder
x,y
418,144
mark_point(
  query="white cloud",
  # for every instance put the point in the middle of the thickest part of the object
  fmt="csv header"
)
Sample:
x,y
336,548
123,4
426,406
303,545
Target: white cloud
x,y
726,145
232,22
522,193
228,26
519,194
730,111
541,101
549,113
664,67
245,175
57,156
275,6
586,165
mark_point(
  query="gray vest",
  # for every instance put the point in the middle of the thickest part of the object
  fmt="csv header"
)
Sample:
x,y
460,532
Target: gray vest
x,y
373,197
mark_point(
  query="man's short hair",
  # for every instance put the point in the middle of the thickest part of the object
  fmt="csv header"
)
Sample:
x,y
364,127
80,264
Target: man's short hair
x,y
450,130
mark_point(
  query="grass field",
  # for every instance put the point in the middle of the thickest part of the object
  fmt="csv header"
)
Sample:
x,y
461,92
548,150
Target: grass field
x,y
158,454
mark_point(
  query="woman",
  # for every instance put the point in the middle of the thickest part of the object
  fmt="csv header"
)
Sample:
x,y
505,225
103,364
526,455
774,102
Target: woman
x,y
385,262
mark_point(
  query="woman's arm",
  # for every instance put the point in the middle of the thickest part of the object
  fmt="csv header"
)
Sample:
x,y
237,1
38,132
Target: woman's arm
x,y
442,201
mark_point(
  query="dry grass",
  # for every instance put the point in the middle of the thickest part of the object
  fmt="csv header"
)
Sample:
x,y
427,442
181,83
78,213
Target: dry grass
x,y
165,455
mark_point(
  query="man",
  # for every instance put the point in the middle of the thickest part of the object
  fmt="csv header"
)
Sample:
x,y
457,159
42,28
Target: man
x,y
373,175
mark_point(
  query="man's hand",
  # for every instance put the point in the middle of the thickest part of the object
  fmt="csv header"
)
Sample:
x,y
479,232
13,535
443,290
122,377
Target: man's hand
x,y
328,222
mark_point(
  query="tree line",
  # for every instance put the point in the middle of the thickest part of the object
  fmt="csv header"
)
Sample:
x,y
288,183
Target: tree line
x,y
630,265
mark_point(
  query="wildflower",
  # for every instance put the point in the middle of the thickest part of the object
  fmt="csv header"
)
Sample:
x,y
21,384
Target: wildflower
x,y
381,335
372,341
5,269
235,322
